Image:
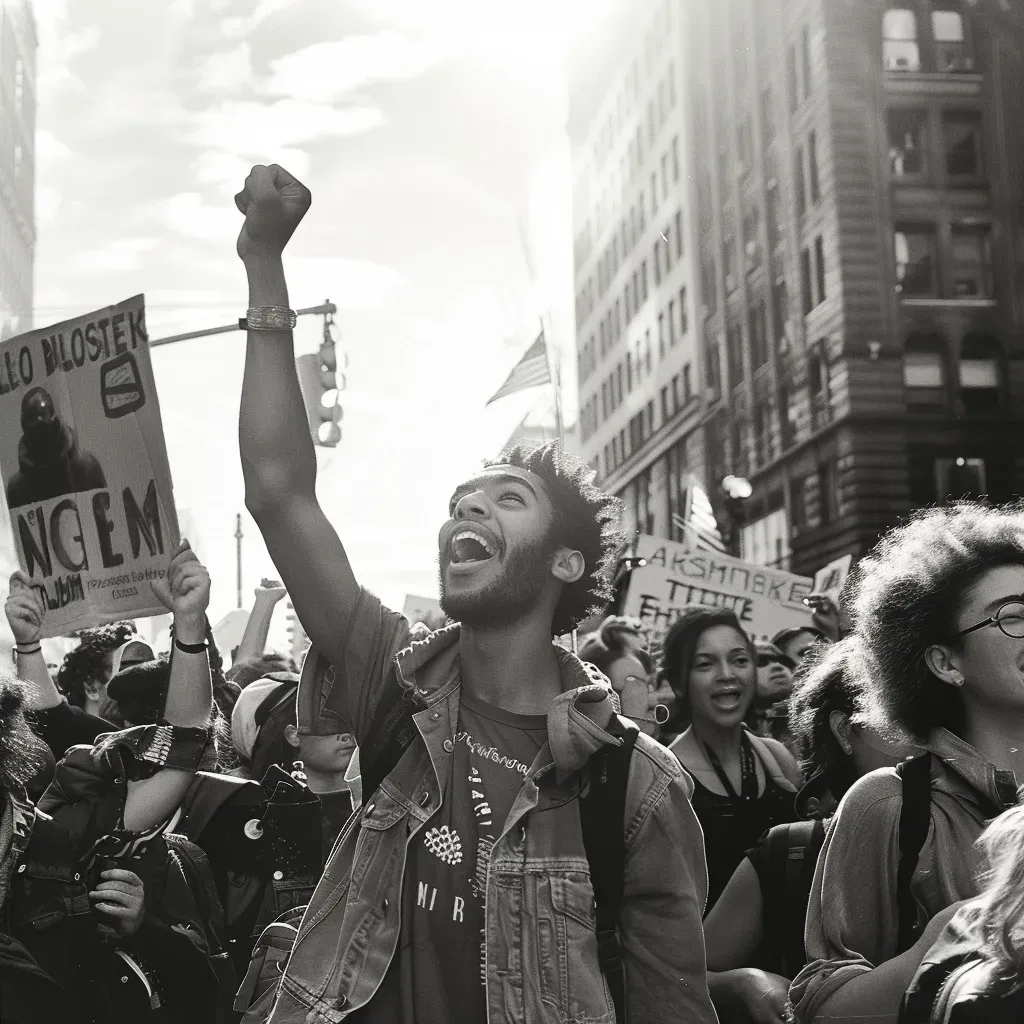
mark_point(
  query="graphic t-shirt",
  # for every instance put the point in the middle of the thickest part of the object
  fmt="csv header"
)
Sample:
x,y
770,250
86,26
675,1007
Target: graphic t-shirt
x,y
438,970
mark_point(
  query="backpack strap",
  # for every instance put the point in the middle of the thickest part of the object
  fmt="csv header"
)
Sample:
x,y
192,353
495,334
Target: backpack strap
x,y
915,817
791,854
603,818
391,732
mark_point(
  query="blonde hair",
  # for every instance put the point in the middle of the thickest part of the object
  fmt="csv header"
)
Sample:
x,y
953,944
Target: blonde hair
x,y
996,920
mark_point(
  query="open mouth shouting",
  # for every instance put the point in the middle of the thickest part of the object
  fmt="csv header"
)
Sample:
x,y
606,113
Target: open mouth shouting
x,y
727,699
470,547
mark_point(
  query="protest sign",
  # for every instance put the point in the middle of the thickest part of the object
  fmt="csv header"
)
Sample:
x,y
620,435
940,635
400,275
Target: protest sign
x,y
830,580
764,600
85,469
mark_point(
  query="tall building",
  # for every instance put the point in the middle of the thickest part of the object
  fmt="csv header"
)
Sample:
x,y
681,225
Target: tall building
x,y
858,191
637,337
298,642
17,164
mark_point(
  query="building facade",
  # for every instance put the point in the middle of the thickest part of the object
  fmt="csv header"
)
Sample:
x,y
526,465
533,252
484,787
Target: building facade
x,y
858,198
17,164
637,351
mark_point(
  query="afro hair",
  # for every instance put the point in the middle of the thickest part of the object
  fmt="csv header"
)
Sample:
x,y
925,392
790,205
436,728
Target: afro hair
x,y
905,598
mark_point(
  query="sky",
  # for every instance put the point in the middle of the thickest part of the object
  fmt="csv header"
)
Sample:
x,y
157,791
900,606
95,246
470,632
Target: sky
x,y
431,134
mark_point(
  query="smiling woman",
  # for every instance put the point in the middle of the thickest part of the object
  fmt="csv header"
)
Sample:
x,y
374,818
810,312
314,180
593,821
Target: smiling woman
x,y
743,784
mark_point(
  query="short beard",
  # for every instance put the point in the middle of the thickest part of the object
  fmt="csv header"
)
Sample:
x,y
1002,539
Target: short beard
x,y
507,599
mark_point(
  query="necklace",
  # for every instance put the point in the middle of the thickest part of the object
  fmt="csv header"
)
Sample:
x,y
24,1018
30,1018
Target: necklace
x,y
748,772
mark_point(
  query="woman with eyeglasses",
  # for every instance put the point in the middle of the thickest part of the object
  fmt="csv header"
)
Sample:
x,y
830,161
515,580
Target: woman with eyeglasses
x,y
939,607
619,650
743,783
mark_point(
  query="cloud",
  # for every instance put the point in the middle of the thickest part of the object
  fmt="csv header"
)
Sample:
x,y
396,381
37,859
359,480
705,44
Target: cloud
x,y
48,200
187,214
116,256
237,27
229,170
228,71
245,127
327,70
49,149
350,284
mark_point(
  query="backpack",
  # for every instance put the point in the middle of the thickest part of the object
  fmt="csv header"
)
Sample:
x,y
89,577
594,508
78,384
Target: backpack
x,y
199,876
791,854
602,818
969,996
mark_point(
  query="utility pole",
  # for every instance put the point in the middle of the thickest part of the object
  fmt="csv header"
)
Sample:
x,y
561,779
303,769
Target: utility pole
x,y
238,539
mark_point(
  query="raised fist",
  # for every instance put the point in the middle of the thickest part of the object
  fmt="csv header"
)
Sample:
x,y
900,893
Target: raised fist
x,y
186,589
271,591
24,608
273,203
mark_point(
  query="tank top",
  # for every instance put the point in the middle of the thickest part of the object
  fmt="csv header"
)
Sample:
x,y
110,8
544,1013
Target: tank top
x,y
733,824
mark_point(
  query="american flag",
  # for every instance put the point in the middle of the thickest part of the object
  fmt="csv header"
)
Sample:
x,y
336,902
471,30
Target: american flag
x,y
698,519
531,371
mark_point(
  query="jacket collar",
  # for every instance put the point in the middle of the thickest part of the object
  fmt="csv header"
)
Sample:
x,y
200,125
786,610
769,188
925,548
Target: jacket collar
x,y
579,717
998,785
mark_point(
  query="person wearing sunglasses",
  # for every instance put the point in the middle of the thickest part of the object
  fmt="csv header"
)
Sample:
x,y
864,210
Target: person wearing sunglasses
x,y
939,608
619,650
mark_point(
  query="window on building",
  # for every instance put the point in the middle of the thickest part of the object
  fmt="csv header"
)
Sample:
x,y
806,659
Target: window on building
x,y
734,353
666,413
812,156
19,84
971,271
900,50
684,313
952,52
805,51
709,286
961,133
792,79
767,114
667,247
675,158
915,248
647,350
651,129
657,260
664,175
729,263
654,193
605,404
774,213
661,335
797,502
980,376
712,369
806,280
620,374
687,383
758,335
908,143
924,361
745,145
643,281
671,323
679,235
819,266
828,498
676,397
780,311
801,186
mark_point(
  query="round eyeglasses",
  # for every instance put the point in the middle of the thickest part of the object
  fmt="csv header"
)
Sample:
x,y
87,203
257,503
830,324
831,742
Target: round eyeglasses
x,y
1009,617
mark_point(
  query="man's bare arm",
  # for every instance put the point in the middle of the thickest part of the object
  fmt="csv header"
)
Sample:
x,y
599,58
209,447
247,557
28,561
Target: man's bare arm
x,y
278,457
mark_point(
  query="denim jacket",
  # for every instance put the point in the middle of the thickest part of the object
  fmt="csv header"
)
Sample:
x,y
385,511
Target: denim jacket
x,y
541,949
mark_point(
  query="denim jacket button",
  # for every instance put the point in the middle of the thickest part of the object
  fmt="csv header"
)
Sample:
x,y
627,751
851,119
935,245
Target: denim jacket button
x,y
386,904
21,869
435,716
449,746
369,809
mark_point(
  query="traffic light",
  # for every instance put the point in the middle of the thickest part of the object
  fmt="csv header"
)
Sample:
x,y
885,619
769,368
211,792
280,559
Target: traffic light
x,y
321,386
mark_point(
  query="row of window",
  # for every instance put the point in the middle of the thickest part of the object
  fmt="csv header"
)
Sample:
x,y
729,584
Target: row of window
x,y
959,151
638,362
913,41
799,71
936,262
979,370
812,275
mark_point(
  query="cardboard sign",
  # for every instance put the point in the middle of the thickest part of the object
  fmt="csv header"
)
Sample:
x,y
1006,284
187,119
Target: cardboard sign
x,y
830,580
84,467
676,575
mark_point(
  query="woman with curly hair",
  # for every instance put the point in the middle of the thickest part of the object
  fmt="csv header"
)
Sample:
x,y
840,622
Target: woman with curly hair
x,y
939,607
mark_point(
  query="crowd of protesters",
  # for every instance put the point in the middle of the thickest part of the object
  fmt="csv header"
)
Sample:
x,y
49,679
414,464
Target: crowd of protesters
x,y
475,823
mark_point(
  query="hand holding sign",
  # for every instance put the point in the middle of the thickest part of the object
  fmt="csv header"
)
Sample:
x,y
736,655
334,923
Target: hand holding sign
x,y
273,203
185,591
25,610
